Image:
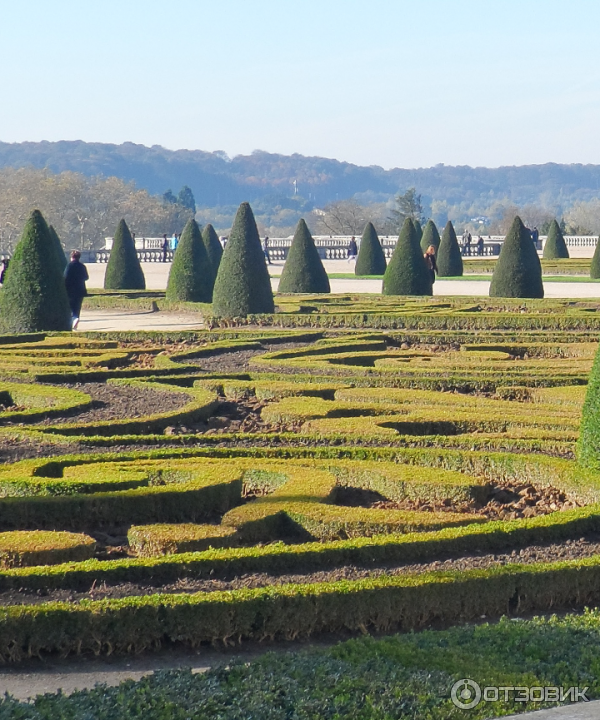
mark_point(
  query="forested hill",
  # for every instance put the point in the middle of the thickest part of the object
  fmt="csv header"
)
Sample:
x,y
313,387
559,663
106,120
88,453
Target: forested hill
x,y
218,180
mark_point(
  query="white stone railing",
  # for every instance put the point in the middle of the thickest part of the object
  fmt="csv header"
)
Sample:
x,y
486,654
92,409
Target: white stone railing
x,y
333,247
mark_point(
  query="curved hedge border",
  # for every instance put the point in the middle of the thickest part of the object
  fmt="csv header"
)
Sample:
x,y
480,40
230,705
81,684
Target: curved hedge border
x,y
36,547
290,611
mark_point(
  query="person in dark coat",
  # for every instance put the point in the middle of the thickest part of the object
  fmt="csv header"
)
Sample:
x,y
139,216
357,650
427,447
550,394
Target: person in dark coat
x,y
429,257
352,249
76,275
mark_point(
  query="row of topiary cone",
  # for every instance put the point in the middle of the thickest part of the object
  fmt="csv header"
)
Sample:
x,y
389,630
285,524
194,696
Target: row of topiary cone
x,y
193,272
237,281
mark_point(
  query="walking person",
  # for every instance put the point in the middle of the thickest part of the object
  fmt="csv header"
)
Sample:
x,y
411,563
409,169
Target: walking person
x,y
5,262
165,248
430,262
480,245
352,249
468,245
266,249
76,275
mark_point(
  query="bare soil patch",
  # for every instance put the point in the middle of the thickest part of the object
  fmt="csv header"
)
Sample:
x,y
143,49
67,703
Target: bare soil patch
x,y
569,550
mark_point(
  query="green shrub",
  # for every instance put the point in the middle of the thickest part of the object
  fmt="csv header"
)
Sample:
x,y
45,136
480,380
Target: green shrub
x,y
213,246
518,271
419,230
191,276
123,271
243,286
34,297
60,253
303,271
555,246
406,602
22,548
595,265
588,445
407,273
153,540
430,236
371,259
449,258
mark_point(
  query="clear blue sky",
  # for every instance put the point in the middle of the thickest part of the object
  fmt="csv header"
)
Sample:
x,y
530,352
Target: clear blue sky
x,y
374,82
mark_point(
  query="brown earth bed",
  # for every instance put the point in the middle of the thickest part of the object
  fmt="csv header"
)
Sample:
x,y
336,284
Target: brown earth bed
x,y
575,549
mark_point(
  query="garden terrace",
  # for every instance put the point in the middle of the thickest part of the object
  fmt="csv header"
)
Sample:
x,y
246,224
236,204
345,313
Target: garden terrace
x,y
344,464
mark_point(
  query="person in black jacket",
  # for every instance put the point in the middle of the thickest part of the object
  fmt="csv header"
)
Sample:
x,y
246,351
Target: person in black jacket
x,y
76,275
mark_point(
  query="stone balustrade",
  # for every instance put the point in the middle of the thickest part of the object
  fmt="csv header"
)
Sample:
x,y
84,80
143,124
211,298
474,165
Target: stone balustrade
x,y
329,247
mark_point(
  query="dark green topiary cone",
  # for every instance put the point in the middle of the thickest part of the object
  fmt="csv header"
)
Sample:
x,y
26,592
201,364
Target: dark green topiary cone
x,y
419,230
61,258
124,271
303,271
555,247
595,266
191,277
588,445
34,297
430,236
243,286
449,259
518,271
407,272
370,260
213,247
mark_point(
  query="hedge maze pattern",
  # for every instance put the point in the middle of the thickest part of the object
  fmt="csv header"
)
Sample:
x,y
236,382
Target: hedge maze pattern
x,y
256,481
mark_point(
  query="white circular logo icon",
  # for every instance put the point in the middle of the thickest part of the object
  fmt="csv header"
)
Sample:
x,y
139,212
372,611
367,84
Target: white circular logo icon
x,y
465,694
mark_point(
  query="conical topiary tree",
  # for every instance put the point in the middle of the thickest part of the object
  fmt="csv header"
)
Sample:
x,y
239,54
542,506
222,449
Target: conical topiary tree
x,y
518,271
418,229
371,259
124,271
243,286
213,247
303,271
588,444
555,247
595,266
58,248
430,236
407,272
449,259
34,296
191,277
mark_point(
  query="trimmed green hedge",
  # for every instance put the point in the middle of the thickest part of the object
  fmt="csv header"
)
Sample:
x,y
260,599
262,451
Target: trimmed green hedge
x,y
33,296
407,273
242,286
303,271
192,276
276,558
36,547
123,270
518,271
134,624
371,259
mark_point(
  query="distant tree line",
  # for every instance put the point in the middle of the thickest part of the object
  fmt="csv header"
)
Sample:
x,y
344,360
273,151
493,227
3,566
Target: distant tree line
x,y
82,210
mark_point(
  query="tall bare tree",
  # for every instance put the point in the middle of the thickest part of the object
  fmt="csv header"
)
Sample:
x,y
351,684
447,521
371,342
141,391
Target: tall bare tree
x,y
83,210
